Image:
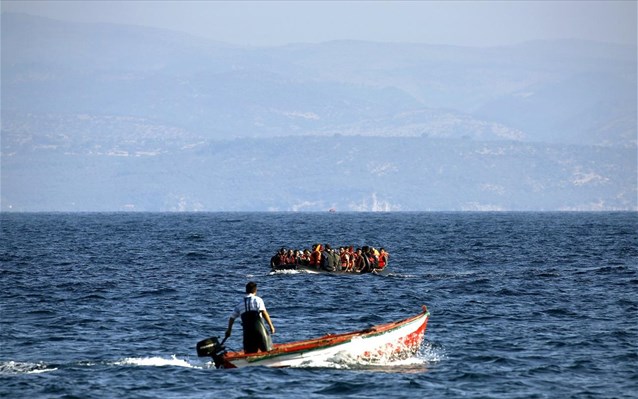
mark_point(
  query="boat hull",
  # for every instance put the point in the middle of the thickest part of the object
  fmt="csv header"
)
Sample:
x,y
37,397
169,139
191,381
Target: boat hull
x,y
389,341
313,270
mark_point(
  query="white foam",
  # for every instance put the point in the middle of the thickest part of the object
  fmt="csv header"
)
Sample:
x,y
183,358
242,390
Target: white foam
x,y
430,354
12,367
155,361
287,271
345,360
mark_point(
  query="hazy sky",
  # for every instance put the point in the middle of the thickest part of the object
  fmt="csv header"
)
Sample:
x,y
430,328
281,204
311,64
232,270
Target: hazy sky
x,y
474,23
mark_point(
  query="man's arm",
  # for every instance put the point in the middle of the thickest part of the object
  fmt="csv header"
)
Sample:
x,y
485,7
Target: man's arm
x,y
230,327
267,317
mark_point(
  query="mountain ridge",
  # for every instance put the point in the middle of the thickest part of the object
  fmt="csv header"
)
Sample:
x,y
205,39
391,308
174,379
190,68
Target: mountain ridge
x,y
92,107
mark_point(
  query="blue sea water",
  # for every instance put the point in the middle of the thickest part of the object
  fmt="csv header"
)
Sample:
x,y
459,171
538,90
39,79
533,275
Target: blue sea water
x,y
523,305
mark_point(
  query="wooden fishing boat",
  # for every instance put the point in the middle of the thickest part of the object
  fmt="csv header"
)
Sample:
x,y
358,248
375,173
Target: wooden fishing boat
x,y
391,341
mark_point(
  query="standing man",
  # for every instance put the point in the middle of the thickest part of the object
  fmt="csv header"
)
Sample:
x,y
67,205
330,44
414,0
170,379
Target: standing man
x,y
253,312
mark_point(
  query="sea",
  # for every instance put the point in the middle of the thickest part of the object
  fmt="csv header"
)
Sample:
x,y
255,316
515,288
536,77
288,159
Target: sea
x,y
523,305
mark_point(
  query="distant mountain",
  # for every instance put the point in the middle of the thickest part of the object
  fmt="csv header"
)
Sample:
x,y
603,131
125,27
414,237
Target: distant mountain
x,y
112,117
570,92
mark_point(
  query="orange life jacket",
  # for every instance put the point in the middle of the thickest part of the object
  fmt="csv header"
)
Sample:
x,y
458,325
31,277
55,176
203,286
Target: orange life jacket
x,y
315,257
383,259
345,259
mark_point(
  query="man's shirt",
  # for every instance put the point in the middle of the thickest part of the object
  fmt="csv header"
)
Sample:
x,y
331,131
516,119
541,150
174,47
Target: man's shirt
x,y
250,302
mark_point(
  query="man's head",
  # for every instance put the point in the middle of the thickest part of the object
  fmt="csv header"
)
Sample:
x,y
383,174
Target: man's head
x,y
251,287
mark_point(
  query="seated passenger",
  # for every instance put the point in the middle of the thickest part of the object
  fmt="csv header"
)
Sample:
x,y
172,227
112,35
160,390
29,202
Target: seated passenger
x,y
344,258
315,256
282,256
351,255
383,258
359,264
290,257
305,257
373,255
296,256
275,261
327,260
335,260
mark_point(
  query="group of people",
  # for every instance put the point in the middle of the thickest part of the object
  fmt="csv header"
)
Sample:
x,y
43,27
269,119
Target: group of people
x,y
324,257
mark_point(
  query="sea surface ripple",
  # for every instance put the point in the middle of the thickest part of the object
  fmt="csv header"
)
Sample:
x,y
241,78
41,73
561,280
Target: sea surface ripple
x,y
523,305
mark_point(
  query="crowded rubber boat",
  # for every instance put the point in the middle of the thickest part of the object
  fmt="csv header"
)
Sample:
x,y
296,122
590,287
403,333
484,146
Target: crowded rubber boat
x,y
323,258
385,342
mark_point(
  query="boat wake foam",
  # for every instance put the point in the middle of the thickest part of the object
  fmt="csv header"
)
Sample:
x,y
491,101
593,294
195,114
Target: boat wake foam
x,y
13,368
155,361
425,356
275,272
291,271
349,363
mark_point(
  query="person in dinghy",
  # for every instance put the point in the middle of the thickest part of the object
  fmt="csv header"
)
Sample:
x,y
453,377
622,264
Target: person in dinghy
x,y
252,311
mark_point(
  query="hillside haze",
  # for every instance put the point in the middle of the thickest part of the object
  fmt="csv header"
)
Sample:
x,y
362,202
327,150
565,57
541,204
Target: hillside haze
x,y
100,117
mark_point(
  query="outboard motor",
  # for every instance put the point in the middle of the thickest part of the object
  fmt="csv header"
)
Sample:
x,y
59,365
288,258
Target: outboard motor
x,y
213,348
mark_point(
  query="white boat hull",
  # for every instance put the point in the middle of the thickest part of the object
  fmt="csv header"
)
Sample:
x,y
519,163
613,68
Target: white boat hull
x,y
383,342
